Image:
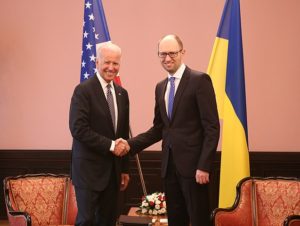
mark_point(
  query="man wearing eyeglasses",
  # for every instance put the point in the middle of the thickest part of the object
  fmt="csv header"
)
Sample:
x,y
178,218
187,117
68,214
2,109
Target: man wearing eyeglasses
x,y
186,119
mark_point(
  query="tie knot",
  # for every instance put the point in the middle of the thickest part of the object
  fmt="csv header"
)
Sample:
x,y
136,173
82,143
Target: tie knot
x,y
108,86
172,79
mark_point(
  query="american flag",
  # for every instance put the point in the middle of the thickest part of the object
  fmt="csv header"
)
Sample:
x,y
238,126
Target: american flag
x,y
95,31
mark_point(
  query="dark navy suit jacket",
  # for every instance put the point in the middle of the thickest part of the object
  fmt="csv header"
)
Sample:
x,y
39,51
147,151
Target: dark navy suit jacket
x,y
92,130
193,131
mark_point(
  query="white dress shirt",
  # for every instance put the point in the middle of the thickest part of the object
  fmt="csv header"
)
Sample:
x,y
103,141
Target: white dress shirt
x,y
104,87
178,75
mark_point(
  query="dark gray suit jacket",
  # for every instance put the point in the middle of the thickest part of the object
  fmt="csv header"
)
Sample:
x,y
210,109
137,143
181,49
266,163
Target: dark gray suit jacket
x,y
193,132
92,130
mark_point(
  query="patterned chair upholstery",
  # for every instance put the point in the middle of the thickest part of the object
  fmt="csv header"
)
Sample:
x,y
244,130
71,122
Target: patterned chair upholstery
x,y
262,201
40,199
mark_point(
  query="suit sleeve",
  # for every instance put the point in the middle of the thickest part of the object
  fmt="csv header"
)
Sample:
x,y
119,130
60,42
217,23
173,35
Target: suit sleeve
x,y
125,159
79,121
207,106
153,135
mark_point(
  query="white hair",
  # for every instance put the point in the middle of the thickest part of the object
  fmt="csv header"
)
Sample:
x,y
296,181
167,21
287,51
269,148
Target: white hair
x,y
107,45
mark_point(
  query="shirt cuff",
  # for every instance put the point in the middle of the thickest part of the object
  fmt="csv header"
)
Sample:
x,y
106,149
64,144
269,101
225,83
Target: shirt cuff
x,y
112,146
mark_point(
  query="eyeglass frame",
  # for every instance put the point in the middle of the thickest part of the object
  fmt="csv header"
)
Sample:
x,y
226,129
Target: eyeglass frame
x,y
170,54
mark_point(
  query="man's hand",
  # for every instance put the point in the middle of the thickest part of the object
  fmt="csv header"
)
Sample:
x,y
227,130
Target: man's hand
x,y
124,181
121,147
202,177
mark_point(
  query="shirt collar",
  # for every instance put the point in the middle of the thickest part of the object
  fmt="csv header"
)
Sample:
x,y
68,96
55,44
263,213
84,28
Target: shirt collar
x,y
104,83
178,74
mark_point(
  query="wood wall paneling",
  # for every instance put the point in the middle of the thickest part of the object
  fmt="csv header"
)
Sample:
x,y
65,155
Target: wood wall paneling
x,y
17,162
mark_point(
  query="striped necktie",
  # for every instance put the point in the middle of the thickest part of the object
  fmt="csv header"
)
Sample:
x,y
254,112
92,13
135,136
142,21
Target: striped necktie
x,y
110,101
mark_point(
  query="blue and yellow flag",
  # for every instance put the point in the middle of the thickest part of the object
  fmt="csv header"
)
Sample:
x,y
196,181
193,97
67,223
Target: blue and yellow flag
x,y
226,68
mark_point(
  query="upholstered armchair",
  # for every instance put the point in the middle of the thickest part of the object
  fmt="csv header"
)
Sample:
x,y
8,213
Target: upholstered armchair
x,y
40,199
262,201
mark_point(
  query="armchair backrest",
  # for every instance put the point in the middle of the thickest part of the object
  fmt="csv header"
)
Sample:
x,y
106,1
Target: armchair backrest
x,y
261,201
276,199
46,199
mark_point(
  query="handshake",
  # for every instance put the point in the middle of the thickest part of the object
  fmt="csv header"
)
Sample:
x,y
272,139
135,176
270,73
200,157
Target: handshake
x,y
121,147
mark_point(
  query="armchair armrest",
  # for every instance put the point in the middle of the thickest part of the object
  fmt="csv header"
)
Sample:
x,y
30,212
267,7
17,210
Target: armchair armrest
x,y
18,218
240,214
231,217
292,220
253,203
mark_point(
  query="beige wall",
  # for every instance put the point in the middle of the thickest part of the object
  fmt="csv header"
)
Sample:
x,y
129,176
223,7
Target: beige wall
x,y
40,50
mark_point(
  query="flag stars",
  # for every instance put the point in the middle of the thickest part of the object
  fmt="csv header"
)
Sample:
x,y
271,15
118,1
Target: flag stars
x,y
91,35
89,46
93,58
91,17
88,5
86,75
85,34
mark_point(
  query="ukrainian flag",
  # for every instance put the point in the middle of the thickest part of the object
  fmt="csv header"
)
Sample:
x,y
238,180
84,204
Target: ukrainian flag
x,y
226,68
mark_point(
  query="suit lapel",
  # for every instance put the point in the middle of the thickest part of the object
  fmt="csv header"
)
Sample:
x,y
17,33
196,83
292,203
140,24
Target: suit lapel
x,y
162,104
102,100
119,99
181,87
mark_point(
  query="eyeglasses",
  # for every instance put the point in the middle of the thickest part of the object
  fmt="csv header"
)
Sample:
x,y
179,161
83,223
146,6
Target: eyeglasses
x,y
171,54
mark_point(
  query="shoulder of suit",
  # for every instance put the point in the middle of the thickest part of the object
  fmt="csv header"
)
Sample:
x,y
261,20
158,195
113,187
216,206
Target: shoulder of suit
x,y
88,85
118,87
199,75
90,81
162,82
120,90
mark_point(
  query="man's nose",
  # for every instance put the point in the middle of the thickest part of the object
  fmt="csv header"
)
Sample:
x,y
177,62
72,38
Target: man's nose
x,y
168,57
110,66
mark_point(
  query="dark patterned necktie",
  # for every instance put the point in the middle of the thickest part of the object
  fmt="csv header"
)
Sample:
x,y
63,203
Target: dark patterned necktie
x,y
171,96
110,101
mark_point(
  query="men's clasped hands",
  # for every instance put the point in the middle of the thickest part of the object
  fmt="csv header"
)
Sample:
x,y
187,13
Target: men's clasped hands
x,y
121,147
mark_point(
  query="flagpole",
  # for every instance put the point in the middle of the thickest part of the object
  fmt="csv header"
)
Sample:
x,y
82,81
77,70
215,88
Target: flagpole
x,y
138,163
